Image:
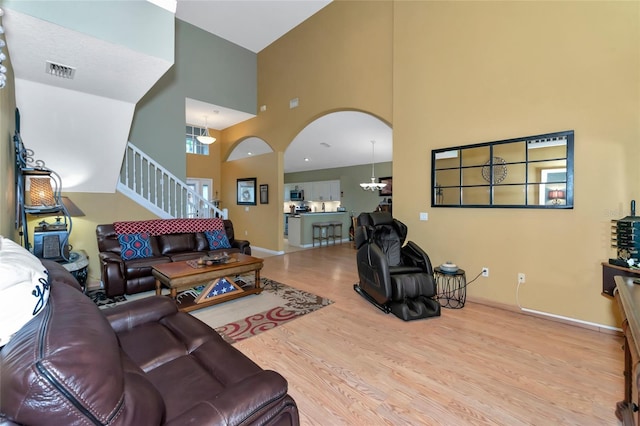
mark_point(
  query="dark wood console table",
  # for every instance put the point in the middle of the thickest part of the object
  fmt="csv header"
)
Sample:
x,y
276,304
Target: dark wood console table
x,y
628,297
609,271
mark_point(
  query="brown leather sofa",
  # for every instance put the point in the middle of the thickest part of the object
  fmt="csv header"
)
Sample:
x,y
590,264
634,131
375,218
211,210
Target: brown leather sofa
x,y
140,363
134,276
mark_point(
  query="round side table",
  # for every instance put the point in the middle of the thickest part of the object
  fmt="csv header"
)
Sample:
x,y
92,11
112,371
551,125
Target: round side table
x,y
77,265
451,288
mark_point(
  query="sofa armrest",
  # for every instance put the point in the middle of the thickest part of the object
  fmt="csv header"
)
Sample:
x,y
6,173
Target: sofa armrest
x,y
243,245
241,402
137,312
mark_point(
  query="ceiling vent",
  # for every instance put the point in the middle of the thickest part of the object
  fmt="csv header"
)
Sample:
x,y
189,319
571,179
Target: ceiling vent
x,y
59,70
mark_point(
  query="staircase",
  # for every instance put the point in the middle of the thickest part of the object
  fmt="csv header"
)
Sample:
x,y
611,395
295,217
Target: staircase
x,y
155,188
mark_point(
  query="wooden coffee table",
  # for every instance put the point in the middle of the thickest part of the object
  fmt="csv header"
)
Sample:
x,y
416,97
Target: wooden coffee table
x,y
181,276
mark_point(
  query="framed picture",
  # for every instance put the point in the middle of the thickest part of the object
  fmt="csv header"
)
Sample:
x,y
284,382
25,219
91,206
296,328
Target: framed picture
x,y
264,194
387,190
246,194
217,288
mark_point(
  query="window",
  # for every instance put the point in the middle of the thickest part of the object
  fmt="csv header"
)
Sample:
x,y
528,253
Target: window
x,y
193,146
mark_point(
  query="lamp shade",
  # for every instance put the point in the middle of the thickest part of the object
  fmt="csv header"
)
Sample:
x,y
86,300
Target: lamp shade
x,y
41,193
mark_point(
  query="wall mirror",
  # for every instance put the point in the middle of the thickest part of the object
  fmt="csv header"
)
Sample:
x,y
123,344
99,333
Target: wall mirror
x,y
528,172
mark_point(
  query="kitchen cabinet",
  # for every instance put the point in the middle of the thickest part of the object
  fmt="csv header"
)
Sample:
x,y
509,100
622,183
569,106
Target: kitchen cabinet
x,y
287,192
327,190
324,190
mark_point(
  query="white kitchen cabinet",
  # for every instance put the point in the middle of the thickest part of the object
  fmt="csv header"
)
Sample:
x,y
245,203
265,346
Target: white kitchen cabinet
x,y
324,190
334,190
287,192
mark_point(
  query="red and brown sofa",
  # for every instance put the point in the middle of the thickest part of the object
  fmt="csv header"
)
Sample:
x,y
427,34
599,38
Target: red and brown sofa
x,y
128,250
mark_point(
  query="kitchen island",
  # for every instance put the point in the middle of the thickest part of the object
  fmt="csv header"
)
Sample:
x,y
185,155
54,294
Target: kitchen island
x,y
300,226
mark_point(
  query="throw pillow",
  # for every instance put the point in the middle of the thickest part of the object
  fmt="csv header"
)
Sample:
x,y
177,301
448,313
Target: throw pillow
x,y
135,246
24,288
217,240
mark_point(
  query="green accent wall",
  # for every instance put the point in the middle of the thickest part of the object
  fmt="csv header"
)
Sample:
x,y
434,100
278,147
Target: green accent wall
x,y
207,68
119,22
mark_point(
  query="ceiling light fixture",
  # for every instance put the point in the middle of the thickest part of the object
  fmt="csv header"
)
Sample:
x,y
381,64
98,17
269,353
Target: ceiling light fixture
x,y
372,186
206,139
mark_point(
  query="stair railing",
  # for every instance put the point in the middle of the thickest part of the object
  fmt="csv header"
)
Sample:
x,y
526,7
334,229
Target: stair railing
x,y
148,183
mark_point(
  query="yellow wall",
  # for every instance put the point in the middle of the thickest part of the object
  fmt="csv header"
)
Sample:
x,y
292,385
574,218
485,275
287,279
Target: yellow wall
x,y
261,224
467,72
339,59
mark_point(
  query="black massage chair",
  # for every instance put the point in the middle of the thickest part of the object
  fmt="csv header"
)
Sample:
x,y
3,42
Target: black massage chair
x,y
394,277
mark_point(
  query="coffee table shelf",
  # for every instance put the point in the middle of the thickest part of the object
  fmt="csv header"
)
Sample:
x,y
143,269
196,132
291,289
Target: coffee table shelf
x,y
180,276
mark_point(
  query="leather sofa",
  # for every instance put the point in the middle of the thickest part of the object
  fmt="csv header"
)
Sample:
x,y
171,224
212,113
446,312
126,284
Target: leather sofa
x,y
132,276
139,363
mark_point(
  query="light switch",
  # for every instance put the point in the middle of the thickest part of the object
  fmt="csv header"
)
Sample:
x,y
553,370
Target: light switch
x,y
424,216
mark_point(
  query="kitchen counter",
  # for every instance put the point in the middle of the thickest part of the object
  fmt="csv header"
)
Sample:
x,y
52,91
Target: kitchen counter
x,y
303,222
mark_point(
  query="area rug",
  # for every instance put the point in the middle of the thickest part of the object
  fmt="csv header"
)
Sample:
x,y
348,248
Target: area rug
x,y
102,300
251,315
247,316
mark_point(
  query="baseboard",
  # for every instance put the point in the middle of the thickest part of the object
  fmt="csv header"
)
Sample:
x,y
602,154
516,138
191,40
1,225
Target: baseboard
x,y
273,252
601,328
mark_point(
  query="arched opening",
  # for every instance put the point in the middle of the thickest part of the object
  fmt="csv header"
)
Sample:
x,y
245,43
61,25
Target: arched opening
x,y
328,159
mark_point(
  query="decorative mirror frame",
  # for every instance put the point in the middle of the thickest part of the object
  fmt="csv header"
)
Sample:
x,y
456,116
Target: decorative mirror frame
x,y
491,174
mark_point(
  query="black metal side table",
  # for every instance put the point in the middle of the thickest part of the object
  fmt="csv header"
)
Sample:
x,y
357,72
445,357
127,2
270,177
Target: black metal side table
x,y
451,288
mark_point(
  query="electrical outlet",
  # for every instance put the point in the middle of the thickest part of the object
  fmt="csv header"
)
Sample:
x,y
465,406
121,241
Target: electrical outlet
x,y
521,278
485,271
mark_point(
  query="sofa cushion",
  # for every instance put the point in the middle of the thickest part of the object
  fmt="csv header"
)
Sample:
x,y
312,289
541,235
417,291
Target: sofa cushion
x,y
135,246
24,288
176,243
217,240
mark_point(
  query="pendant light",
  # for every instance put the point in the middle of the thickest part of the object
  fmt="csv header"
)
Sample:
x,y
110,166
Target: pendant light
x,y
372,186
206,139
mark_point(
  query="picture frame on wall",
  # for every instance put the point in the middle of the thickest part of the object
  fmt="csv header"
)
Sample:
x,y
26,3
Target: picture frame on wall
x,y
387,191
264,193
246,192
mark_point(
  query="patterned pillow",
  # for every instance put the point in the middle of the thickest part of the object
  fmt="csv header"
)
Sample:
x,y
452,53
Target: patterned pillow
x,y
217,240
135,246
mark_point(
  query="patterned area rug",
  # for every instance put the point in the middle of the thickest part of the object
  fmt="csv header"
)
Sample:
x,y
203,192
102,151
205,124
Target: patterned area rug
x,y
247,316
102,300
292,303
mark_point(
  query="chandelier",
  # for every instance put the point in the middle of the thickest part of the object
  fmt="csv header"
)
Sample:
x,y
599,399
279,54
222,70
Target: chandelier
x,y
206,139
372,186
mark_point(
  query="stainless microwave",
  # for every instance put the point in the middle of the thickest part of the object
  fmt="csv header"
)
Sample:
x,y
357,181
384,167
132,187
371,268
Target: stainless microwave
x,y
297,195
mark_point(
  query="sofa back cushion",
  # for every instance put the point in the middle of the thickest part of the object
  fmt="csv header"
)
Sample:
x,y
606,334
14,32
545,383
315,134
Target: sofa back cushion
x,y
65,367
176,243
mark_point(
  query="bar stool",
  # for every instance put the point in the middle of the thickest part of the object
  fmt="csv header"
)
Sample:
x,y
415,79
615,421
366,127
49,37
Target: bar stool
x,y
337,231
322,227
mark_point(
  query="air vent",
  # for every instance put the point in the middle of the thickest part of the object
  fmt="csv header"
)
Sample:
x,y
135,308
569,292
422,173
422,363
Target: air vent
x,y
59,70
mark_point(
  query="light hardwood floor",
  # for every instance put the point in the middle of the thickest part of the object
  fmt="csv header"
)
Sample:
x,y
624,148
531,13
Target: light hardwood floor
x,y
349,363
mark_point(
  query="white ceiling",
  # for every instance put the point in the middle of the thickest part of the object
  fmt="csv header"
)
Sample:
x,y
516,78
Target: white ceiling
x,y
254,25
